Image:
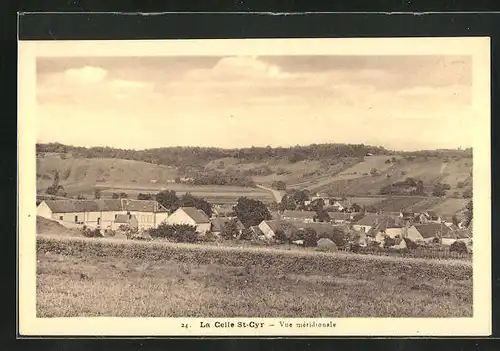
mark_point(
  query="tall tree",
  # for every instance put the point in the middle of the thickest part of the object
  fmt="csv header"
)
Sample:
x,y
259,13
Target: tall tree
x,y
168,199
251,212
188,200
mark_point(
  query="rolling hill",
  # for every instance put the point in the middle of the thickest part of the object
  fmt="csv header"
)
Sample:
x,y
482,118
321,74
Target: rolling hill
x,y
343,175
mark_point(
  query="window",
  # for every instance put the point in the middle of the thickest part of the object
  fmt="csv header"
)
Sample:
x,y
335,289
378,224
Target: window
x,y
99,221
60,218
76,219
116,216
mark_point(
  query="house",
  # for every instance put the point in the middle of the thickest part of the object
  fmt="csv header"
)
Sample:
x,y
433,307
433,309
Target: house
x,y
102,213
368,222
406,215
270,227
432,231
387,227
220,210
450,237
256,232
356,216
339,217
337,206
304,216
218,223
191,216
129,221
432,217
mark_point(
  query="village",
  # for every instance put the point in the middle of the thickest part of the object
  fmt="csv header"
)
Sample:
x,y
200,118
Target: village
x,y
325,223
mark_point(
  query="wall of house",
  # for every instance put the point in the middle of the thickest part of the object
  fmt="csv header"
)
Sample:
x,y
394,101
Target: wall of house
x,y
180,217
266,230
43,210
413,234
161,217
203,228
394,232
68,219
447,241
145,220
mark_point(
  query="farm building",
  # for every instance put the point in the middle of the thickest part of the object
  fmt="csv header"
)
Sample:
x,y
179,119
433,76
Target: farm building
x,y
387,227
125,220
256,232
270,227
218,224
322,229
432,217
304,216
222,210
432,231
367,223
457,235
191,216
102,213
339,217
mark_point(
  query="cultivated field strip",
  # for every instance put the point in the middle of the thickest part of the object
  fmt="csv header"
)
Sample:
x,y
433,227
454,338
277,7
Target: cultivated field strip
x,y
283,260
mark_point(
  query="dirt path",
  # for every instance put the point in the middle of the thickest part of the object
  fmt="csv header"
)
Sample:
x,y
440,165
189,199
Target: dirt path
x,y
276,193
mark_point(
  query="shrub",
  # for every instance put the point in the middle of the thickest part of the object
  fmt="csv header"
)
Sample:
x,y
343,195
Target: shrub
x,y
209,237
458,246
91,233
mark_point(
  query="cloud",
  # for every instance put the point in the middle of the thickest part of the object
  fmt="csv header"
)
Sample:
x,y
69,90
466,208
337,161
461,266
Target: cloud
x,y
85,75
89,84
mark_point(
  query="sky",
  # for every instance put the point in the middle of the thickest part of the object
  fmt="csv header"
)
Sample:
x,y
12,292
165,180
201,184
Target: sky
x,y
399,102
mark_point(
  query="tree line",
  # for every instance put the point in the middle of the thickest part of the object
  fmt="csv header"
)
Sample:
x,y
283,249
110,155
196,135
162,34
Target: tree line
x,y
193,156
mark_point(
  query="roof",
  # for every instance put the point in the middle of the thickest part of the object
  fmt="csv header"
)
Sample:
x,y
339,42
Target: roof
x,y
196,215
369,219
388,223
219,223
339,216
276,224
430,230
68,206
432,214
299,214
458,234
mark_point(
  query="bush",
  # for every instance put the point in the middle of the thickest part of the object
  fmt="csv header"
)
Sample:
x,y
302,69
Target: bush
x,y
209,237
458,246
177,232
91,233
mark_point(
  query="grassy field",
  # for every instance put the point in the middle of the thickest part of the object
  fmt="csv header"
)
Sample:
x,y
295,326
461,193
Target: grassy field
x,y
213,193
106,277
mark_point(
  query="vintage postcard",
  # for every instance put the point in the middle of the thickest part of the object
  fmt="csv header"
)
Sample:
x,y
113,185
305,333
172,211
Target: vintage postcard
x,y
259,187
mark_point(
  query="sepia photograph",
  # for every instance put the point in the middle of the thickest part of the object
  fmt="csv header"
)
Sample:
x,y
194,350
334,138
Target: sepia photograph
x,y
255,187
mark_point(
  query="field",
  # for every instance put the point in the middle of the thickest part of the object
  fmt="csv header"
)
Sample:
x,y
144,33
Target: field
x,y
430,171
106,277
215,194
80,175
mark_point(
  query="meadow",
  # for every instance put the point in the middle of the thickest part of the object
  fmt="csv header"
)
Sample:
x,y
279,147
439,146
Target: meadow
x,y
109,277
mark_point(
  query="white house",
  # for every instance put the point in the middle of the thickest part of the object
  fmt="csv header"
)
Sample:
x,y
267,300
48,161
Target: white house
x,y
102,213
191,216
